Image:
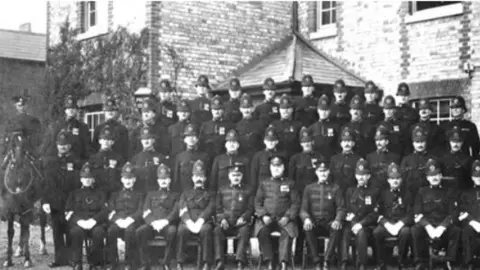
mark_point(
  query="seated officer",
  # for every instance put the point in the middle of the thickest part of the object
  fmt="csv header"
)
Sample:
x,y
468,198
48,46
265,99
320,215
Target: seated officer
x,y
86,213
234,213
160,213
322,213
276,205
361,201
125,216
435,210
469,208
197,207
395,207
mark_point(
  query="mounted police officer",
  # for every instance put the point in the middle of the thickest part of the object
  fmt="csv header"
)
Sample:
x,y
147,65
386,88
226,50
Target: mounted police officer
x,y
200,106
232,105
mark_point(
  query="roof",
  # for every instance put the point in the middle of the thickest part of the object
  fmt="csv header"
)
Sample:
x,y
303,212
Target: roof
x,y
23,45
289,61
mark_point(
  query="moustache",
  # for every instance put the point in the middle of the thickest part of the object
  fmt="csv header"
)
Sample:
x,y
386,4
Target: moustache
x,y
198,182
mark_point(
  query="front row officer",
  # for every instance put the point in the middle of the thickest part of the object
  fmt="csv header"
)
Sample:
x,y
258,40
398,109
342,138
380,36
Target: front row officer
x,y
276,206
196,207
160,213
395,210
124,218
435,212
234,213
86,213
322,213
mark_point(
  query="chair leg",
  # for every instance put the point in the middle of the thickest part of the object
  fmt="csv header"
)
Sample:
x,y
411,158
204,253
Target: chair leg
x,y
304,255
199,256
430,257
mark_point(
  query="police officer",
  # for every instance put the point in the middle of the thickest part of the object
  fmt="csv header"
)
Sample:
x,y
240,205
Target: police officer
x,y
219,173
470,216
160,213
120,131
413,165
468,129
398,129
61,173
364,130
435,210
79,134
286,128
232,106
149,119
234,212
107,163
212,132
86,213
405,112
456,164
306,105
147,161
197,207
277,204
250,130
361,202
395,210
342,165
373,112
339,109
325,132
269,109
381,158
125,215
182,168
322,213
167,112
176,130
200,106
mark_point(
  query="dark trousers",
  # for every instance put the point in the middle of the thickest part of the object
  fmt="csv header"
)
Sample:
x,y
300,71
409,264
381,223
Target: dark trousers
x,y
284,243
469,243
450,237
128,235
243,237
206,237
404,236
78,235
361,243
145,233
61,238
322,229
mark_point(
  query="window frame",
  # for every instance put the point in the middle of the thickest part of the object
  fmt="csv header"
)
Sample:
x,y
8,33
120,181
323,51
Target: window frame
x,y
325,30
433,13
88,15
101,19
435,103
91,126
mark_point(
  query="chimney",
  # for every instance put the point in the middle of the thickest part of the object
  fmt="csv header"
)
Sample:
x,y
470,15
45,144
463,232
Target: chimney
x,y
26,27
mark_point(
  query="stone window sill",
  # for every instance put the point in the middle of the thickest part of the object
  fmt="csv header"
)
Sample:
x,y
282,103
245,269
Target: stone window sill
x,y
435,13
325,32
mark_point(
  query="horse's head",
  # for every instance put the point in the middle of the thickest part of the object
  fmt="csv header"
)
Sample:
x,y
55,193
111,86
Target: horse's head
x,y
16,147
17,172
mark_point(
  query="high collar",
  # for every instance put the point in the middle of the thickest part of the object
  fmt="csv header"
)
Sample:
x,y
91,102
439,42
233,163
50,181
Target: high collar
x,y
280,178
149,149
167,189
435,187
347,153
64,155
220,119
128,189
382,151
236,186
396,190
364,186
423,153
202,188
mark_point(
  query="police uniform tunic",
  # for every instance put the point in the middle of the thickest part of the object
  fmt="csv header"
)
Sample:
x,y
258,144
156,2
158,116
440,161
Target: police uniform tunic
x,y
212,136
146,163
219,172
79,138
287,131
232,110
456,170
175,133
161,144
364,136
340,112
301,169
306,110
250,136
373,113
267,112
342,168
200,110
325,136
379,161
413,167
167,113
469,133
260,167
436,139
182,169
120,145
30,127
398,135
406,114
106,165
470,203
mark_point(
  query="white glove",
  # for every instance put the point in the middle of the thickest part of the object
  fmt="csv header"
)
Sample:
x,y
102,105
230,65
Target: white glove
x,y
356,228
146,213
430,231
46,208
390,228
350,216
463,216
190,225
128,221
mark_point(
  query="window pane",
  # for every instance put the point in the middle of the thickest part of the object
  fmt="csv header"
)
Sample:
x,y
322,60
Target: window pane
x,y
325,4
334,16
334,3
444,108
325,17
92,19
91,6
422,5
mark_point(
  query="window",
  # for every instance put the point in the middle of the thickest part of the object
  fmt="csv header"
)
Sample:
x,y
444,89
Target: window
x,y
93,18
89,11
93,119
415,6
326,13
424,10
440,109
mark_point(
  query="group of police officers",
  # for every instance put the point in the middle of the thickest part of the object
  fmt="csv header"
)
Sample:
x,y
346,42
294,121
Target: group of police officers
x,y
353,172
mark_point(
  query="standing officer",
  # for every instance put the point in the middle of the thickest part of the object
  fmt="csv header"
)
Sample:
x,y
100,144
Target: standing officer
x,y
176,130
234,212
373,112
398,129
150,119
363,130
232,106
340,109
212,132
361,201
343,165
277,204
200,106
86,213
120,131
469,208
62,178
468,129
269,109
182,169
322,213
197,206
325,131
167,113
250,130
160,213
456,164
435,210
405,112
147,161
306,106
435,134
395,210
125,216
222,163
79,134
286,128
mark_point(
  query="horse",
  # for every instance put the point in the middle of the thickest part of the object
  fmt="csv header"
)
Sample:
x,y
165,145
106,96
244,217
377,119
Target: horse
x,y
20,193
